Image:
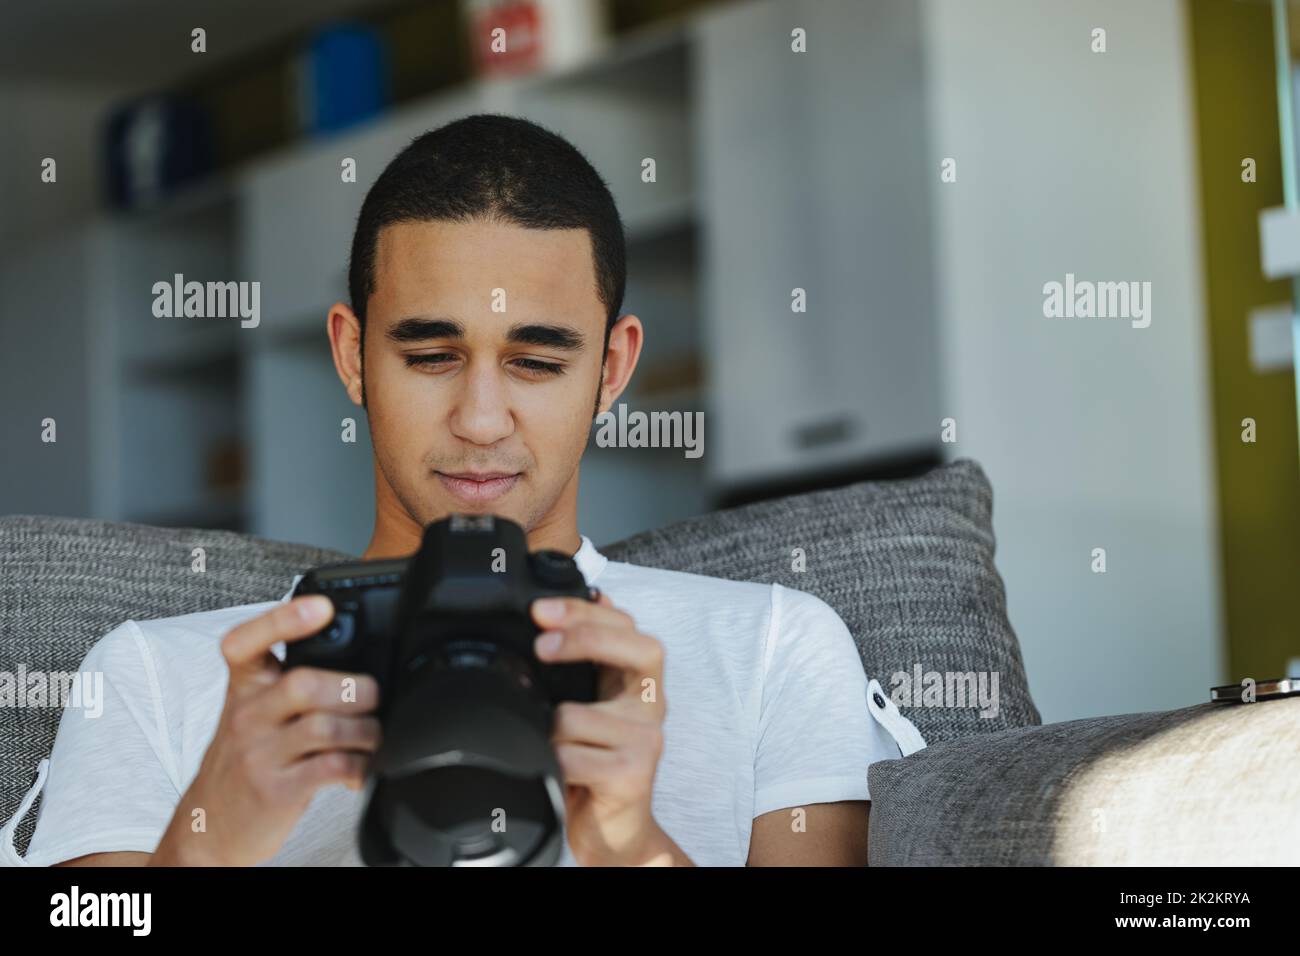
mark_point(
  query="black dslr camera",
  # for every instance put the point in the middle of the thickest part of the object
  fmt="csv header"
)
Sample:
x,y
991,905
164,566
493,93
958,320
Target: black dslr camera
x,y
465,775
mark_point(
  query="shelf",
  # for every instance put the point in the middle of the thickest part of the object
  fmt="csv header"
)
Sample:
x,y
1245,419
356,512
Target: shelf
x,y
213,195
217,515
209,359
654,221
171,430
652,60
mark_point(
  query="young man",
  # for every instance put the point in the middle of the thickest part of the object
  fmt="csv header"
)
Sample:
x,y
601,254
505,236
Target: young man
x,y
484,334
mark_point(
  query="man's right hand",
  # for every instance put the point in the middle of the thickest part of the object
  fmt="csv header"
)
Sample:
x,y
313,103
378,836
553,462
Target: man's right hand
x,y
283,735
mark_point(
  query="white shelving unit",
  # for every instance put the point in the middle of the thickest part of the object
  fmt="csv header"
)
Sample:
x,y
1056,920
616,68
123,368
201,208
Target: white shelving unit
x,y
175,401
146,407
814,175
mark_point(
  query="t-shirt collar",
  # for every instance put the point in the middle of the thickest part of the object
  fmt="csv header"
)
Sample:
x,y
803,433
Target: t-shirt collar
x,y
590,562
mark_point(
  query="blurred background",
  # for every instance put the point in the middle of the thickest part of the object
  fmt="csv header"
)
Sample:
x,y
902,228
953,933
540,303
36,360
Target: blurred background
x,y
922,170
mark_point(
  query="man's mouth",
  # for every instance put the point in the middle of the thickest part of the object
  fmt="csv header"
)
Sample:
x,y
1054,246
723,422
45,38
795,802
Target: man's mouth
x,y
478,487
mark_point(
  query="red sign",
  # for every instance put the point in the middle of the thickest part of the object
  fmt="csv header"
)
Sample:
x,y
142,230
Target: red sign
x,y
507,38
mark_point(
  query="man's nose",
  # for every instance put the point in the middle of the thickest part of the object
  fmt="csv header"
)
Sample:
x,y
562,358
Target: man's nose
x,y
482,411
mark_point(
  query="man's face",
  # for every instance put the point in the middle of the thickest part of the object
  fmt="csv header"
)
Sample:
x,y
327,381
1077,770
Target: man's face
x,y
482,365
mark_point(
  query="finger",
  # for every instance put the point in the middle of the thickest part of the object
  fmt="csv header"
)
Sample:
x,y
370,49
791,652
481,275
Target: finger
x,y
633,707
302,689
557,612
582,765
246,646
321,730
590,724
623,649
333,766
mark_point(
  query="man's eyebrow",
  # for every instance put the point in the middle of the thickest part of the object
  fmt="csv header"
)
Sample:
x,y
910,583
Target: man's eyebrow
x,y
420,328
416,329
546,336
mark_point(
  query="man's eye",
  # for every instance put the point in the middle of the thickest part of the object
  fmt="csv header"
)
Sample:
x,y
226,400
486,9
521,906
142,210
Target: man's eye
x,y
544,368
444,358
437,358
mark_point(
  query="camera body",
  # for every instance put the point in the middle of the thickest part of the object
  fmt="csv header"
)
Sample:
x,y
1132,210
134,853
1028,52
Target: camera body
x,y
465,704
473,575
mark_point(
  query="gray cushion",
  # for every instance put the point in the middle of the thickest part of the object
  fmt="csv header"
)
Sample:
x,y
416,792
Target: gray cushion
x,y
1205,785
907,564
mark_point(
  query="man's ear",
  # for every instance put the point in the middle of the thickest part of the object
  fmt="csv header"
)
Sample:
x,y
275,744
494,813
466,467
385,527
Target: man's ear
x,y
344,330
625,340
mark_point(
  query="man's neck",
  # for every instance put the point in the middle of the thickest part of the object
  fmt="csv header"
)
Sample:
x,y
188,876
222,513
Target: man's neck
x,y
403,546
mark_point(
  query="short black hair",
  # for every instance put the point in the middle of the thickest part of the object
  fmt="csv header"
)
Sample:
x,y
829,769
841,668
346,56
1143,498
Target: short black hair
x,y
491,166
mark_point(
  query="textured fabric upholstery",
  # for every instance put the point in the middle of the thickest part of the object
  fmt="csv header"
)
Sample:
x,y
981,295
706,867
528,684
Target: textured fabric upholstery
x,y
1205,785
907,564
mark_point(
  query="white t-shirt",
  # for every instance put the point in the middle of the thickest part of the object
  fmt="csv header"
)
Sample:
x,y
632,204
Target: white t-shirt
x,y
768,708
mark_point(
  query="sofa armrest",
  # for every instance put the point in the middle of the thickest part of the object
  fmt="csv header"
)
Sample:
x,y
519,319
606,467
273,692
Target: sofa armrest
x,y
1206,784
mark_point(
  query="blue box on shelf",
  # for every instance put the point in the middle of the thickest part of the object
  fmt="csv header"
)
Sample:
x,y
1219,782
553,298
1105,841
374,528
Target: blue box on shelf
x,y
342,78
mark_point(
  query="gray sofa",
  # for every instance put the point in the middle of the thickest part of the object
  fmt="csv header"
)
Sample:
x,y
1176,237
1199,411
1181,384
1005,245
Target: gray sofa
x,y
907,564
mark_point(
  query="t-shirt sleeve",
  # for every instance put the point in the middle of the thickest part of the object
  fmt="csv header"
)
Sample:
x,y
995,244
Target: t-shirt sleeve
x,y
111,783
816,736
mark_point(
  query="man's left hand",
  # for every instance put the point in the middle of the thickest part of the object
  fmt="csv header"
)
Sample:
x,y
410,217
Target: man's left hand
x,y
608,750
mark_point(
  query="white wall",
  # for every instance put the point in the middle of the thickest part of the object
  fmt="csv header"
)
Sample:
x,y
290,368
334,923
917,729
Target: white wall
x,y
1093,433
